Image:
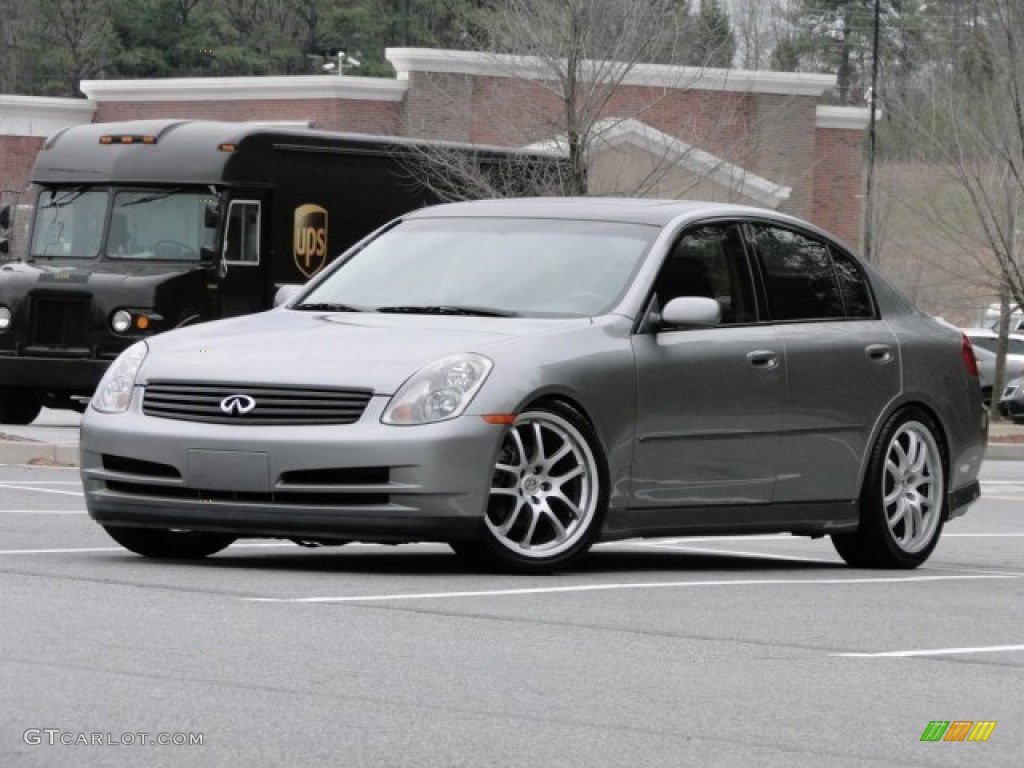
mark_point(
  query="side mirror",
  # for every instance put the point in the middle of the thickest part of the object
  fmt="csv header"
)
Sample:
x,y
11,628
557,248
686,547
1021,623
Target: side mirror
x,y
5,246
286,293
691,312
211,215
207,254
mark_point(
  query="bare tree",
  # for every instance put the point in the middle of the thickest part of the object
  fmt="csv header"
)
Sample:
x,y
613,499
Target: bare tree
x,y
565,65
970,130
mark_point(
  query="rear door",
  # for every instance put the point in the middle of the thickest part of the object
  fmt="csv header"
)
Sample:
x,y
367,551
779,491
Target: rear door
x,y
843,362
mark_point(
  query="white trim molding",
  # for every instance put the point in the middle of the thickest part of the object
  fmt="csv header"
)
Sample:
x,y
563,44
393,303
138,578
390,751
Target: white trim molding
x,y
615,133
42,116
843,118
409,60
247,89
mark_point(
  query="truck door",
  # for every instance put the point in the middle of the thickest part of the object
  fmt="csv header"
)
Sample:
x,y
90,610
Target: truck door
x,y
242,285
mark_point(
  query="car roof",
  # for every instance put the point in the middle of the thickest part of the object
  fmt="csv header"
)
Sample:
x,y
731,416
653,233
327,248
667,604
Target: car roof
x,y
630,210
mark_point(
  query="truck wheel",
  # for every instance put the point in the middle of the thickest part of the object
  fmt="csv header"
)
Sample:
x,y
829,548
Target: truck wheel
x,y
18,406
167,544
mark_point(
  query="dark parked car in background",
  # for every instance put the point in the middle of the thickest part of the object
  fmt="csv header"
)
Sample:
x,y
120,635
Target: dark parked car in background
x,y
522,378
1011,404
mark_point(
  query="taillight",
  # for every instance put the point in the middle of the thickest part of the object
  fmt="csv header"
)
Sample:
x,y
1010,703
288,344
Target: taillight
x,y
967,355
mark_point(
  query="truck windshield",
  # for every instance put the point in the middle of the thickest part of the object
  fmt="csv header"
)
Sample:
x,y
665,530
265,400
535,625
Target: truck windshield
x,y
167,224
69,223
155,224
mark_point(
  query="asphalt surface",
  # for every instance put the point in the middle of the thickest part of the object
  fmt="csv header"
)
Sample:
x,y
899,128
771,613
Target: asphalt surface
x,y
756,651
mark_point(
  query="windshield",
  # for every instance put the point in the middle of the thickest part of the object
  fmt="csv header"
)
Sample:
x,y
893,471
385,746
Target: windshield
x,y
497,267
69,223
166,224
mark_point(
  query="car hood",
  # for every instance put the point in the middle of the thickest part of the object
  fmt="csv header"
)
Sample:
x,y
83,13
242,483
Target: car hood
x,y
371,351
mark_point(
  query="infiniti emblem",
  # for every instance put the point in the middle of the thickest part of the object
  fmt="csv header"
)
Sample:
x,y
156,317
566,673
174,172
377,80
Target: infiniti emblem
x,y
237,405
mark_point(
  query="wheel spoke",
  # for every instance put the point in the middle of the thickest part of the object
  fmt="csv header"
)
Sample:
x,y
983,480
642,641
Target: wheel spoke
x,y
513,517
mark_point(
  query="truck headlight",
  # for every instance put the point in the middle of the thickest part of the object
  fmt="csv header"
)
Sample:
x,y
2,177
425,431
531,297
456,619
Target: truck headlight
x,y
438,391
121,322
5,317
114,393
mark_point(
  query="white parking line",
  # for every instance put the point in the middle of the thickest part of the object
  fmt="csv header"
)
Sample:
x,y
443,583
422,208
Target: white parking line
x,y
42,512
933,652
39,490
626,585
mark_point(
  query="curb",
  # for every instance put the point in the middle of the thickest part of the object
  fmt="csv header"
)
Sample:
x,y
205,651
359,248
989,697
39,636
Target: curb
x,y
66,454
25,452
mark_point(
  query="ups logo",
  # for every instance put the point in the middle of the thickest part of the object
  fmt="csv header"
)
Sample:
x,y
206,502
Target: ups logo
x,y
309,243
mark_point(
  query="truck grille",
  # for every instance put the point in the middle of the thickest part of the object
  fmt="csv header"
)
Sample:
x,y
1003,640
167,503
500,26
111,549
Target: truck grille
x,y
212,403
60,321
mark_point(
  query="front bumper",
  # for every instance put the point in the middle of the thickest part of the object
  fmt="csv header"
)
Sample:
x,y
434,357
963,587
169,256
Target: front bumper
x,y
365,481
59,374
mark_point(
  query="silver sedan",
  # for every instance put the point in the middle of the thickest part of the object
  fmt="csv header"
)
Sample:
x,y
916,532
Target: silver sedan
x,y
524,378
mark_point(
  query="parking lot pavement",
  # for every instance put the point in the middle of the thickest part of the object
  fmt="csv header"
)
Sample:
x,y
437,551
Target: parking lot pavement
x,y
732,651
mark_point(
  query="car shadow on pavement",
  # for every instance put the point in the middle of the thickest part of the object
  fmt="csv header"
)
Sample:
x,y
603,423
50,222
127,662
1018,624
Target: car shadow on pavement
x,y
441,561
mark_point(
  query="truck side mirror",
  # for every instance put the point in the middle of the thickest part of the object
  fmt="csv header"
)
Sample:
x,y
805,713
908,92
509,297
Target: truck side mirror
x,y
211,216
5,246
207,254
5,216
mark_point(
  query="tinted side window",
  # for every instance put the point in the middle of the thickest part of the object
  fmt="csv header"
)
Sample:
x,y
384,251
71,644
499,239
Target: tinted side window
x,y
710,261
854,285
799,279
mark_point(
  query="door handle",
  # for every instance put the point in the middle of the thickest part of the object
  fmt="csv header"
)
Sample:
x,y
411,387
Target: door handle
x,y
763,358
880,353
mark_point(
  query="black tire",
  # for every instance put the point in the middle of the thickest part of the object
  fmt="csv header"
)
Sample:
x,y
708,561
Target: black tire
x,y
903,501
549,494
169,545
18,406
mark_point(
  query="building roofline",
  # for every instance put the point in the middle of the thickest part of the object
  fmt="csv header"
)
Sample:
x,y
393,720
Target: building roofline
x,y
41,116
409,60
246,88
632,132
843,118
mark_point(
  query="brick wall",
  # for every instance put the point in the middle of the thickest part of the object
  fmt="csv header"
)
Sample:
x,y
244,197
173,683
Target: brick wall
x,y
326,114
17,154
838,175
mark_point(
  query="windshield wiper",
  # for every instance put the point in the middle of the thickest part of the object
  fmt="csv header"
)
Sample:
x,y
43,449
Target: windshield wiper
x,y
66,199
153,197
449,309
326,306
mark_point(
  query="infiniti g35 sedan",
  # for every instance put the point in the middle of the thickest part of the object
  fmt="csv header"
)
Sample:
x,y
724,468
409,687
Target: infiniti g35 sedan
x,y
524,378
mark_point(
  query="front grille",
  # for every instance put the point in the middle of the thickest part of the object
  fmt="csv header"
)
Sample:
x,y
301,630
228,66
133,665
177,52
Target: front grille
x,y
60,321
190,401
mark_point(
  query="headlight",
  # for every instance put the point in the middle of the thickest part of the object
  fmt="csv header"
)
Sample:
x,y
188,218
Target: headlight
x,y
5,318
439,391
114,393
121,321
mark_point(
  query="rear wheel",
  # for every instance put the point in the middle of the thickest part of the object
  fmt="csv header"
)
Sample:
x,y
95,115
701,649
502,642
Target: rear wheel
x,y
169,544
548,494
18,405
903,502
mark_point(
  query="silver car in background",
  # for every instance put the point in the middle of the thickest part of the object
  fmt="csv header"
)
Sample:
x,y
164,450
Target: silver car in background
x,y
523,378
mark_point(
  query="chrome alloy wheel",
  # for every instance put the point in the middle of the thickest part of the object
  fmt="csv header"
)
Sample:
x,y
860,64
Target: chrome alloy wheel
x,y
913,487
545,488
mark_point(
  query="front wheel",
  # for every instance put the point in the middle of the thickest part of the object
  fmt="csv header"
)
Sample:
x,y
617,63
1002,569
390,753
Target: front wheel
x,y
903,502
168,544
548,494
18,406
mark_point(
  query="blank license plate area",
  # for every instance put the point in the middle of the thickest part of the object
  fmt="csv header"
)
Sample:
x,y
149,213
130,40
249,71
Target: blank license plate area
x,y
229,471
